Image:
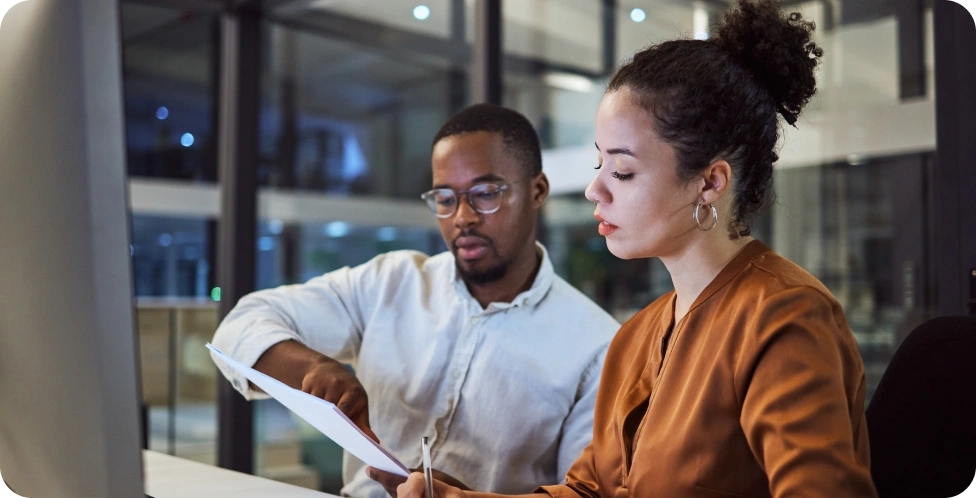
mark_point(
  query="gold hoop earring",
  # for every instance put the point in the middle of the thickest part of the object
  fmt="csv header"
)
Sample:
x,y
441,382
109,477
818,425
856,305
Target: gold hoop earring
x,y
714,216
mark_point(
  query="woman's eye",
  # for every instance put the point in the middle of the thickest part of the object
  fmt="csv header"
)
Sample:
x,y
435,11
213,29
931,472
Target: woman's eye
x,y
598,166
621,177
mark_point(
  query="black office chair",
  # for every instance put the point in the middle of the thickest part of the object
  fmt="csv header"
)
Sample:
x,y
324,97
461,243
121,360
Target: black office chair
x,y
922,418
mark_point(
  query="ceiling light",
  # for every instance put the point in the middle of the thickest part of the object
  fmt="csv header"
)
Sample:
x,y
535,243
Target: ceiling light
x,y
700,22
421,12
568,81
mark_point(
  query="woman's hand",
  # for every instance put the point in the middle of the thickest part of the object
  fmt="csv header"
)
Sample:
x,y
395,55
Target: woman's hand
x,y
414,487
390,482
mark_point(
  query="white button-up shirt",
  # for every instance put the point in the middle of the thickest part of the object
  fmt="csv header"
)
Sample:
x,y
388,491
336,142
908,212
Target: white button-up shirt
x,y
505,393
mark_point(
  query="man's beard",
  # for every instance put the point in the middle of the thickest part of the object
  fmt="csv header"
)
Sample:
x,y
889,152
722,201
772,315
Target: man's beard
x,y
488,275
491,274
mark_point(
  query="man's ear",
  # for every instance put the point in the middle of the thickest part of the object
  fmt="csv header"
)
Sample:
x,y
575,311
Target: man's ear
x,y
540,190
716,180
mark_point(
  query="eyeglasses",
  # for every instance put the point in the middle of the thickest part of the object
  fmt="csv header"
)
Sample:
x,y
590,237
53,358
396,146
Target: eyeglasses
x,y
485,198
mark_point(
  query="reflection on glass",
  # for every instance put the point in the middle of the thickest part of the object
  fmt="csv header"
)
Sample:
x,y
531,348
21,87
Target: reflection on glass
x,y
429,18
168,59
170,256
860,71
346,117
561,33
862,229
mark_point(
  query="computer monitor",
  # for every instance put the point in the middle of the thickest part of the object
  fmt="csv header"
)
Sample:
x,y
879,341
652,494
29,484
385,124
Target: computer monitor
x,y
69,423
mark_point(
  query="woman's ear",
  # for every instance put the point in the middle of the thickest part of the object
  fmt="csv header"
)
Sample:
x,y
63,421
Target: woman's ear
x,y
717,178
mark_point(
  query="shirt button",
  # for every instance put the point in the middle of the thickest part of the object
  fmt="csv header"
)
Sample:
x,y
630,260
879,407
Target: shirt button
x,y
237,384
474,320
457,374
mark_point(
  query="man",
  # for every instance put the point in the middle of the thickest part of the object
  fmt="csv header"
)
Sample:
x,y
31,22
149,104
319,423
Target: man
x,y
483,348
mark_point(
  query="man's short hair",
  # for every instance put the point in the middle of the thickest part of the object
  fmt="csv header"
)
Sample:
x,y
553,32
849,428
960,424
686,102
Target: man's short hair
x,y
517,132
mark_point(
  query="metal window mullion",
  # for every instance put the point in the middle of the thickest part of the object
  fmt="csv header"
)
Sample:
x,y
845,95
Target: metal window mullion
x,y
237,166
954,179
486,54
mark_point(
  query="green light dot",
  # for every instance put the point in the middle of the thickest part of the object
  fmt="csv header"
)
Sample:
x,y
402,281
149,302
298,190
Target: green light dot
x,y
215,294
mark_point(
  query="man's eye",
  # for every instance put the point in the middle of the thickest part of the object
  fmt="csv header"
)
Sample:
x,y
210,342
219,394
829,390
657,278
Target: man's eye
x,y
446,201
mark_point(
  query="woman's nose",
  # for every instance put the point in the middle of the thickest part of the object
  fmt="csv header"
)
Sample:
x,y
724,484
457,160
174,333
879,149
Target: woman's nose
x,y
595,191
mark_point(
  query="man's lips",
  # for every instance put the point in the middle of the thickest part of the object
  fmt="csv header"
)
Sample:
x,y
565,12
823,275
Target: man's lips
x,y
469,247
605,227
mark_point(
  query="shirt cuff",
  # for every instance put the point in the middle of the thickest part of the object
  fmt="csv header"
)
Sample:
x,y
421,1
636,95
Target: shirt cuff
x,y
558,491
248,355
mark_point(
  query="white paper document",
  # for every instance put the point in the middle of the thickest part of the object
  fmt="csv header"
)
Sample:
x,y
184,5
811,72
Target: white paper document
x,y
324,416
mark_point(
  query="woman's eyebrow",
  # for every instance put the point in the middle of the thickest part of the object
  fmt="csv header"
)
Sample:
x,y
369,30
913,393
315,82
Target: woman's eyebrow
x,y
617,150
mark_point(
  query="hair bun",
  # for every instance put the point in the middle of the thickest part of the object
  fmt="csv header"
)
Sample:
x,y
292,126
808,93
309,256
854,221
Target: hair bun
x,y
776,48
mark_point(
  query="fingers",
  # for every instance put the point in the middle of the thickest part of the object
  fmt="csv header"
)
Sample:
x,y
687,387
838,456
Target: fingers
x,y
355,405
335,384
448,479
362,421
328,388
353,402
387,480
317,387
412,488
444,478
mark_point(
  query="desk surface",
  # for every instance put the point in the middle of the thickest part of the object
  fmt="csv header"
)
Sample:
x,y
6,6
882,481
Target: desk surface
x,y
172,477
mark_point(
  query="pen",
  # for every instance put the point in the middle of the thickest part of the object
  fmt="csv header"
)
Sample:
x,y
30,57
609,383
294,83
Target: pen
x,y
428,474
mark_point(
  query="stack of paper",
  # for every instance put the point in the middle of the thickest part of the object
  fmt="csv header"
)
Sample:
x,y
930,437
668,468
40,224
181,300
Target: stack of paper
x,y
324,416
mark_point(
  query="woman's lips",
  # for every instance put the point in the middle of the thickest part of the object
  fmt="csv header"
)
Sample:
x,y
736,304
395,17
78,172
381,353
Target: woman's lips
x,y
605,228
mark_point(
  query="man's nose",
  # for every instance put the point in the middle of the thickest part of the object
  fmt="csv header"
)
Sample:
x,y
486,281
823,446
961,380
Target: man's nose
x,y
465,216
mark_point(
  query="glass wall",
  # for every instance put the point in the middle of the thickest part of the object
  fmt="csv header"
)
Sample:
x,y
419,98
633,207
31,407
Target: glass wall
x,y
352,94
169,63
356,114
863,228
177,314
169,67
851,180
349,113
347,116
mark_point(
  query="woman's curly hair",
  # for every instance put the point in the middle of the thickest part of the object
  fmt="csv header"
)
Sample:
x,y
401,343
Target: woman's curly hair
x,y
719,98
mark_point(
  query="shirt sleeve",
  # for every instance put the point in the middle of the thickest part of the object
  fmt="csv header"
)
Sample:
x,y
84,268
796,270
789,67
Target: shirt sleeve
x,y
802,392
327,314
581,479
578,425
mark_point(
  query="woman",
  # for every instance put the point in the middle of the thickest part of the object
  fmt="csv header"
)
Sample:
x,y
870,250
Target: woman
x,y
746,380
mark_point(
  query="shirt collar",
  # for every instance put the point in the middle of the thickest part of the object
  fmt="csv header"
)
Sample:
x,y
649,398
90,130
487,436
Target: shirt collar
x,y
531,297
746,255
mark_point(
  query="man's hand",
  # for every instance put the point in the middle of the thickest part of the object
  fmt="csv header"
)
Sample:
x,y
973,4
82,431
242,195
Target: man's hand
x,y
332,381
391,481
314,373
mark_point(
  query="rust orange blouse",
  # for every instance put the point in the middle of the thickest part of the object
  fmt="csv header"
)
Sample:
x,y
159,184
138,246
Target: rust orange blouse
x,y
758,392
